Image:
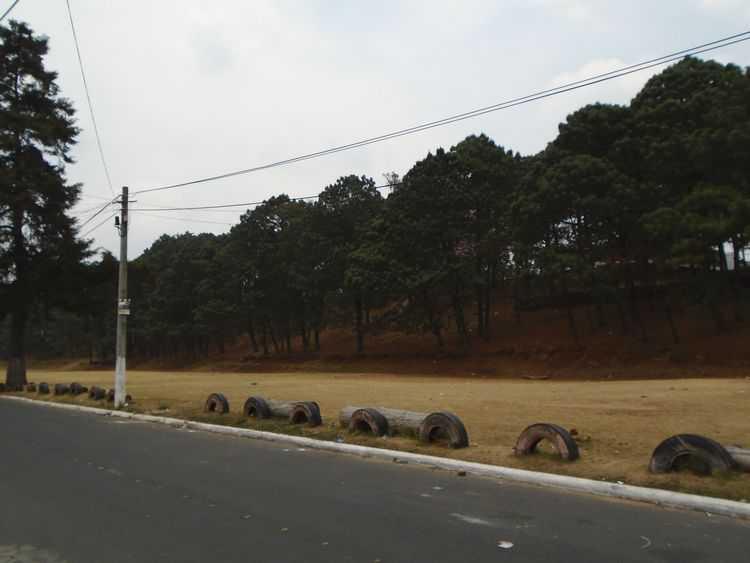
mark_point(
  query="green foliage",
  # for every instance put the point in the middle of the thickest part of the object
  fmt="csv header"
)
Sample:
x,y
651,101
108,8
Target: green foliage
x,y
626,202
39,254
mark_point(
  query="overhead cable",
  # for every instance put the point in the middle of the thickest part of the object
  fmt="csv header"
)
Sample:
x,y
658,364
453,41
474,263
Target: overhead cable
x,y
570,86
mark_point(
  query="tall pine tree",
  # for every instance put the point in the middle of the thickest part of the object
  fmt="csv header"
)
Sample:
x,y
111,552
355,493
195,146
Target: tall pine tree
x,y
37,132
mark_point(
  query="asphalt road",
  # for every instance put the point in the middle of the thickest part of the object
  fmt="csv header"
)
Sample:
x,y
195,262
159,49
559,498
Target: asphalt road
x,y
81,488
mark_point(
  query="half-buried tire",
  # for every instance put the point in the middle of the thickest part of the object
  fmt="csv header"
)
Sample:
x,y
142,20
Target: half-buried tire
x,y
439,426
306,412
560,439
691,451
31,387
97,393
216,402
43,388
61,389
368,420
110,395
77,389
256,407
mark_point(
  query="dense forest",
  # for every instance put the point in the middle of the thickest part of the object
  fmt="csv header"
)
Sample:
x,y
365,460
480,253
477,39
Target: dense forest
x,y
647,203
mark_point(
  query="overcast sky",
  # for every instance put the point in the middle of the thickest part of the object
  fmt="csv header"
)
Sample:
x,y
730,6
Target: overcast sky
x,y
190,88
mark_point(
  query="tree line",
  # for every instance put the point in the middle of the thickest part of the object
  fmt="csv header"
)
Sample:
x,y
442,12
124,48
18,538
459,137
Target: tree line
x,y
645,202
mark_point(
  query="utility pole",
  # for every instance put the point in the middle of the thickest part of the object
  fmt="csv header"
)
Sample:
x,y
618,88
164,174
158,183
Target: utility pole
x,y
123,305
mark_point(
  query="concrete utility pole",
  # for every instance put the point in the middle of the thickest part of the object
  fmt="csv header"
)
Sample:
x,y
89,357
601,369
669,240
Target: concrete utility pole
x,y
123,305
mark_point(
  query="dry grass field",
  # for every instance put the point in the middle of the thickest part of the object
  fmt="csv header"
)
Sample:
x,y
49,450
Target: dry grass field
x,y
620,421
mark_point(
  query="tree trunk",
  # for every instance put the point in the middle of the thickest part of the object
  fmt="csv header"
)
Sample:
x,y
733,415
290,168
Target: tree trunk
x,y
670,320
358,323
251,333
15,374
458,313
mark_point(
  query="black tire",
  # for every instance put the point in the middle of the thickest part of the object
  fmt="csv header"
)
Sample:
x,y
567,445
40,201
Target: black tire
x,y
77,389
306,412
559,437
444,425
256,407
698,453
368,420
97,393
61,389
31,387
43,388
216,402
110,395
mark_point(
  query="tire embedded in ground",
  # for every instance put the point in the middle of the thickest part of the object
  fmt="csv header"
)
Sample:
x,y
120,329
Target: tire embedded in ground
x,y
558,436
97,393
61,389
216,402
111,396
43,388
31,387
691,451
368,420
77,389
443,425
306,412
256,407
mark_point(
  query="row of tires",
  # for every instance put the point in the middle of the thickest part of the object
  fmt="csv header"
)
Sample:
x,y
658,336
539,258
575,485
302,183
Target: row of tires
x,y
683,451
74,389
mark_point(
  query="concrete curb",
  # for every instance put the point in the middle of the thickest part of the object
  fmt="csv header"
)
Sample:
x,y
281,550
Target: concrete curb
x,y
659,497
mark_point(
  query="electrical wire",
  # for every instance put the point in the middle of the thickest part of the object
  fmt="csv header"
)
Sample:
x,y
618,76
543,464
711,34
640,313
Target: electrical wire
x,y
185,219
246,204
624,71
92,229
101,209
88,99
13,5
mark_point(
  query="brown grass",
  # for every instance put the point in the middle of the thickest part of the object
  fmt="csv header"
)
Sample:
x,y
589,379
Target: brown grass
x,y
625,420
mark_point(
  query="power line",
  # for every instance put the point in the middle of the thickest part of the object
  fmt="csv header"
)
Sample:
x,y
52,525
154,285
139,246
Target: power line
x,y
246,204
101,209
92,229
186,219
13,5
88,99
624,71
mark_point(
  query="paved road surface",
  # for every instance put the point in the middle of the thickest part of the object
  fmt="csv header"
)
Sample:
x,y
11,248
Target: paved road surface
x,y
80,488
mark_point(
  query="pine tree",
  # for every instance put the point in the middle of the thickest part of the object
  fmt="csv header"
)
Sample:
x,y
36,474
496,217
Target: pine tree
x,y
37,132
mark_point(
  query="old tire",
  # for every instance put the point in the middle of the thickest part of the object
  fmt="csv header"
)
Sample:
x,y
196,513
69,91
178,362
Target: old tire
x,y
31,387
77,389
61,389
559,437
442,425
698,453
306,412
256,407
216,402
97,393
368,420
43,388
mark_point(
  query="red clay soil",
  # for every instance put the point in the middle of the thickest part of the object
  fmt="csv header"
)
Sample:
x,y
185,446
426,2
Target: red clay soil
x,y
542,345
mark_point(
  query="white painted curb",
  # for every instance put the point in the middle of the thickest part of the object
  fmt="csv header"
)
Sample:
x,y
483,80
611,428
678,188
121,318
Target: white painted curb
x,y
575,484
